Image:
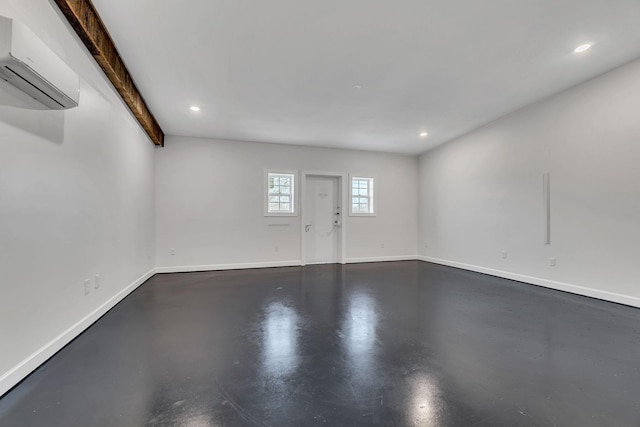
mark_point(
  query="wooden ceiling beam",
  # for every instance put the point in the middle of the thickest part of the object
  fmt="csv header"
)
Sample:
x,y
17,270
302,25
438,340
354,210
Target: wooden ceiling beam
x,y
85,20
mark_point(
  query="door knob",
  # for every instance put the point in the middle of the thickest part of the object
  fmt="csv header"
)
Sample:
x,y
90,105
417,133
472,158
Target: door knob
x,y
307,228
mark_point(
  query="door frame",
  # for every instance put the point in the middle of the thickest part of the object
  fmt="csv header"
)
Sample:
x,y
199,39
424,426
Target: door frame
x,y
342,197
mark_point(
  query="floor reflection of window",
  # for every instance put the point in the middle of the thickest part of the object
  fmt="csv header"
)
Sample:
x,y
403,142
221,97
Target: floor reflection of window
x,y
280,339
361,323
359,331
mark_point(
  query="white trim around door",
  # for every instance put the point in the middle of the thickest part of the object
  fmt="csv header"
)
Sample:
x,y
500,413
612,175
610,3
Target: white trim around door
x,y
344,192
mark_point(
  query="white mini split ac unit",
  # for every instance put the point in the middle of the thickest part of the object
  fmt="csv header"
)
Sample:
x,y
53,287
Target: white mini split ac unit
x,y
32,76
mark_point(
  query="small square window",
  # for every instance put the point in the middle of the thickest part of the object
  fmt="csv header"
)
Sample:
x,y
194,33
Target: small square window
x,y
362,196
279,194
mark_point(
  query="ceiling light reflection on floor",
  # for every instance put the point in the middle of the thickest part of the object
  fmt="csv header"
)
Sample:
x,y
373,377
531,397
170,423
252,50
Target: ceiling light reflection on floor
x,y
425,404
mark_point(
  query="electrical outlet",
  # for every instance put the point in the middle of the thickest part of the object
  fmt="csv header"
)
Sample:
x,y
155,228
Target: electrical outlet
x,y
96,281
552,262
172,251
87,286
504,255
276,248
382,245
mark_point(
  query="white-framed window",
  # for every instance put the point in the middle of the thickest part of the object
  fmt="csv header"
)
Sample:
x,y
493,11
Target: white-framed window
x,y
362,195
280,193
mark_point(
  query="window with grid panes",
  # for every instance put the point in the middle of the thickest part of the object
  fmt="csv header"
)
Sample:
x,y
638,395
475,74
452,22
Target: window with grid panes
x,y
362,196
280,193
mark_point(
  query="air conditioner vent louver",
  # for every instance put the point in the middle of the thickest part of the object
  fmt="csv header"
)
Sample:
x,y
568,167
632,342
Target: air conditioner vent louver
x,y
26,63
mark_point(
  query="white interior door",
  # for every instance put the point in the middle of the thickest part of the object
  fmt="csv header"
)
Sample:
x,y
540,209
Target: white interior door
x,y
321,219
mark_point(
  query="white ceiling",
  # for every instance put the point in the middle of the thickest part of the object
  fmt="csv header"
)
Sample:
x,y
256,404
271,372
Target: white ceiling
x,y
284,70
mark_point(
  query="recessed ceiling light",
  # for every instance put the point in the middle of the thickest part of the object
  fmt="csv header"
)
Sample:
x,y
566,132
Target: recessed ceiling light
x,y
424,134
195,108
583,48
357,86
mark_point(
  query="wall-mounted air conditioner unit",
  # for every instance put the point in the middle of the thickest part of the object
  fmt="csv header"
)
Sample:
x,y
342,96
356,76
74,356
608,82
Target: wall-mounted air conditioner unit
x,y
43,81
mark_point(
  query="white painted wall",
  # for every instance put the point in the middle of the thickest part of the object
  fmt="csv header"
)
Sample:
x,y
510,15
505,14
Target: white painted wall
x,y
210,193
482,194
76,199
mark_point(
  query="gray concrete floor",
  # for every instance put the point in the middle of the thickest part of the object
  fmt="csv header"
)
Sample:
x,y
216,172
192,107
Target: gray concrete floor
x,y
388,344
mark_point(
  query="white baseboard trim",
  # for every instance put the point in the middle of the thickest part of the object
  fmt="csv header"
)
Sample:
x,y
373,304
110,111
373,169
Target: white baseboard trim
x,y
269,264
560,286
31,363
238,266
382,259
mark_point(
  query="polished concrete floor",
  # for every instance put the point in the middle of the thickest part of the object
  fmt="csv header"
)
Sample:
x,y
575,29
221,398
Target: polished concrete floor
x,y
386,344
